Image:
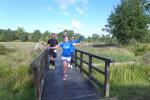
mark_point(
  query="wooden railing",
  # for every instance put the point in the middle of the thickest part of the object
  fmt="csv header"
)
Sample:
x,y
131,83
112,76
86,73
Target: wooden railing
x,y
79,56
39,66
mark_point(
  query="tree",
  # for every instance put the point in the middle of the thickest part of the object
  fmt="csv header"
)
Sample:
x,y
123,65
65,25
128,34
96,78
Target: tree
x,y
60,36
70,33
128,22
45,36
24,37
19,32
95,37
7,35
36,35
89,39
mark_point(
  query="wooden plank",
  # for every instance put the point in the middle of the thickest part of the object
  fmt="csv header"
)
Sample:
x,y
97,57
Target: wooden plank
x,y
39,66
81,63
95,56
86,72
85,62
106,73
97,82
97,69
37,84
90,66
106,85
76,87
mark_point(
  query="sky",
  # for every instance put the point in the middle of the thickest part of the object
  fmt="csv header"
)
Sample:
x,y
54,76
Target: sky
x,y
82,16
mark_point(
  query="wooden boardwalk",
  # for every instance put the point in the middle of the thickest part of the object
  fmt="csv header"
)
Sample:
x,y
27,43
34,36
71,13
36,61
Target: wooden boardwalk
x,y
76,87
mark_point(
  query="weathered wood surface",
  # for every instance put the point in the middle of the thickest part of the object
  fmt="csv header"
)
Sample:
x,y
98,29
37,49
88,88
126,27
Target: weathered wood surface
x,y
76,87
39,66
91,66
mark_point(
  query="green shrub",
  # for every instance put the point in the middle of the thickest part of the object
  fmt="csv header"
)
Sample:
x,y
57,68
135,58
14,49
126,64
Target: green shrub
x,y
3,50
140,49
146,57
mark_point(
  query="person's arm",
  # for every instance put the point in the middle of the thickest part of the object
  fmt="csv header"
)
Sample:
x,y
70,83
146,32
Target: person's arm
x,y
76,44
55,47
77,40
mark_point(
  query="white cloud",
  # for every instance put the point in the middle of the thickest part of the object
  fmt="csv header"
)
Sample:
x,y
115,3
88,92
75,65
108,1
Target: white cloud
x,y
80,5
64,4
81,11
76,24
88,30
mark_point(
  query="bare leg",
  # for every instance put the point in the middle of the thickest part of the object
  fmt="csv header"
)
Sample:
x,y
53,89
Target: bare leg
x,y
65,69
52,62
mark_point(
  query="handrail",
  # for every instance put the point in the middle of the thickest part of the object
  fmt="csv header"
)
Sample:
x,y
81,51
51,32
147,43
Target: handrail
x,y
91,67
39,66
95,56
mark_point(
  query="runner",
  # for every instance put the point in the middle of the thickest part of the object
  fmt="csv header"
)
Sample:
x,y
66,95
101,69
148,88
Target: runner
x,y
66,54
52,52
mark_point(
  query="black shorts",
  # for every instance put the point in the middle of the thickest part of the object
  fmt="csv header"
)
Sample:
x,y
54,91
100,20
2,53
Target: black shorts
x,y
52,53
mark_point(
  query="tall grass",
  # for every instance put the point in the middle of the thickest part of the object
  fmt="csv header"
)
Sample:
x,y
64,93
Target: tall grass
x,y
115,53
16,80
128,81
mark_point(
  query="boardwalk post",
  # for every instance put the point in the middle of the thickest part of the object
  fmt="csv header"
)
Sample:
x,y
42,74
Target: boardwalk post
x,y
37,83
75,62
106,85
81,61
90,66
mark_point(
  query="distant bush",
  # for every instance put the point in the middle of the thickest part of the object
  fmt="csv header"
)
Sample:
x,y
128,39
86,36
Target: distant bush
x,y
140,49
3,50
146,57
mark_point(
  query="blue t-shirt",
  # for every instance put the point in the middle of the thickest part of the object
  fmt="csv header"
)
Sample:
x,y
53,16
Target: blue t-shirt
x,y
73,47
66,47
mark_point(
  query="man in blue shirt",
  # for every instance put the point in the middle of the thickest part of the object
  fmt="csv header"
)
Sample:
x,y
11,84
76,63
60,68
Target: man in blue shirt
x,y
77,42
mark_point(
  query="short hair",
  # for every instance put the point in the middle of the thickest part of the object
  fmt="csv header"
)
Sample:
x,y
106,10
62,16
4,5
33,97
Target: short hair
x,y
52,34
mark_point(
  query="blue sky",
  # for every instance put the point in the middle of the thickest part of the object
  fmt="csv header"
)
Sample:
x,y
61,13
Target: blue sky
x,y
84,16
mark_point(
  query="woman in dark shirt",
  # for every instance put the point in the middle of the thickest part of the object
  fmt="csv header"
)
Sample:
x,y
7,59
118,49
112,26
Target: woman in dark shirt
x,y
52,52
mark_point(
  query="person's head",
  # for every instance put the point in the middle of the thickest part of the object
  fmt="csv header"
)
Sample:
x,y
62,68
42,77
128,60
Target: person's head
x,y
66,39
65,34
53,35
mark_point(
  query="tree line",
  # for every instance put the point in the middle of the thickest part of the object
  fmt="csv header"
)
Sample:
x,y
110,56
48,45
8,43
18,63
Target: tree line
x,y
21,35
128,23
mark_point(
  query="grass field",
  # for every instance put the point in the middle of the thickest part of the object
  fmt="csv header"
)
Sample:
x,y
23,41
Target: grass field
x,y
16,81
129,75
128,81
